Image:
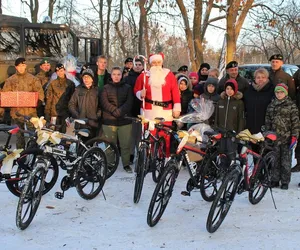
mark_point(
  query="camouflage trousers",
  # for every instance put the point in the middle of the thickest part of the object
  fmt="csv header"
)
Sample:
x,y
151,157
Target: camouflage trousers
x,y
20,143
282,169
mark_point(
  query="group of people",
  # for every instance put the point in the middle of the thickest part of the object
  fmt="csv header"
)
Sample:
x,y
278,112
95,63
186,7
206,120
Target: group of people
x,y
105,99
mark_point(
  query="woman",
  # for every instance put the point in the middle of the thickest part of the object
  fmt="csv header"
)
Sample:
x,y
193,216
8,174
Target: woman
x,y
186,95
256,99
116,102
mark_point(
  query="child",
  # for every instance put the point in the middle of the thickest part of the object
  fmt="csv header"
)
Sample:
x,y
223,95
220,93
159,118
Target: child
x,y
186,95
230,108
194,78
282,117
215,73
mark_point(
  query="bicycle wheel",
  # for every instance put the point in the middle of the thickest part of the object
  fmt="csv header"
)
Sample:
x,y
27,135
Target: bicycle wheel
x,y
24,165
162,193
90,175
31,195
111,152
259,181
140,168
223,201
159,157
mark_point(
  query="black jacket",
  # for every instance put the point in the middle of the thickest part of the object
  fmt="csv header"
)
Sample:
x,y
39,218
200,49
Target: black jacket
x,y
116,102
107,77
279,76
256,103
243,84
130,80
185,96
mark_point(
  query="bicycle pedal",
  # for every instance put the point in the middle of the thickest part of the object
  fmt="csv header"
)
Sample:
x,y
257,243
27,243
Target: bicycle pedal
x,y
185,193
59,195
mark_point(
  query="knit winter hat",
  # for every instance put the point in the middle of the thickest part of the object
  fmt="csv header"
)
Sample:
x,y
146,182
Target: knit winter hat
x,y
233,84
204,65
282,87
182,78
211,80
88,72
194,74
197,89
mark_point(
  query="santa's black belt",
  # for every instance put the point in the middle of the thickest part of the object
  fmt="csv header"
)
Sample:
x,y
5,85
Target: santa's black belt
x,y
157,103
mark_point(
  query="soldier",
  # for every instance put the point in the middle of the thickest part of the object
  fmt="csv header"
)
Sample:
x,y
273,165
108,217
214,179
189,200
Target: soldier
x,y
282,117
128,65
23,81
277,75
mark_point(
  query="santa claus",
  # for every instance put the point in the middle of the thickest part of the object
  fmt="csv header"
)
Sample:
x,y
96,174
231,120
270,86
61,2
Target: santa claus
x,y
161,92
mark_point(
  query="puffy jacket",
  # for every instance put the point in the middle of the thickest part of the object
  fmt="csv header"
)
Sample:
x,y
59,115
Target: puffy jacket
x,y
282,117
256,103
116,102
24,82
230,112
84,103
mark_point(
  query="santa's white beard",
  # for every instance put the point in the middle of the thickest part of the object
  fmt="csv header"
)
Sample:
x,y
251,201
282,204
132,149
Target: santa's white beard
x,y
157,76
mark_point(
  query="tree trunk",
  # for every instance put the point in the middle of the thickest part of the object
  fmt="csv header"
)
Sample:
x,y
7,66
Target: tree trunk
x,y
120,35
142,26
0,6
107,30
50,8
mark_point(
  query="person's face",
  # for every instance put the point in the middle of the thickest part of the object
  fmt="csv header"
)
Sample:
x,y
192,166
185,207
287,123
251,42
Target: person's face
x,y
129,65
138,67
88,81
276,64
61,73
156,63
204,71
102,64
185,72
182,85
45,67
116,75
211,88
229,91
21,68
233,72
261,79
196,95
194,80
280,95
212,74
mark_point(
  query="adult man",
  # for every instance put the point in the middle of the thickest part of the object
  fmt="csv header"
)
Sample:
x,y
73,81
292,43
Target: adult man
x,y
22,81
135,111
232,72
161,92
102,76
277,75
128,66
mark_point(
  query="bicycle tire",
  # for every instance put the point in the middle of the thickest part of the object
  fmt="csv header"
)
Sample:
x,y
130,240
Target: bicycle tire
x,y
90,175
159,158
140,168
31,195
161,195
111,152
259,181
225,196
24,165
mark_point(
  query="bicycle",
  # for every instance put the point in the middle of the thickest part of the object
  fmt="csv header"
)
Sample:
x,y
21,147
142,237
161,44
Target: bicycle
x,y
151,154
86,171
242,177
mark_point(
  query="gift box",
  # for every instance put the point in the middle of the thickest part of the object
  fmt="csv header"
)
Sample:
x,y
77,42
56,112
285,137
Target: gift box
x,y
19,99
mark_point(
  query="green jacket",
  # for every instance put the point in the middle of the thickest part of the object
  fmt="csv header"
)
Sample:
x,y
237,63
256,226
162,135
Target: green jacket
x,y
282,117
230,112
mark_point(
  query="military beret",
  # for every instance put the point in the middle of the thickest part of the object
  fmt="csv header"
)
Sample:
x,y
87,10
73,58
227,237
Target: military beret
x,y
44,60
128,59
276,57
232,64
183,68
59,66
20,60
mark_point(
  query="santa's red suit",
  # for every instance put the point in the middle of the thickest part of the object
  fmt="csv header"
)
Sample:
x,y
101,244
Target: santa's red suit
x,y
168,94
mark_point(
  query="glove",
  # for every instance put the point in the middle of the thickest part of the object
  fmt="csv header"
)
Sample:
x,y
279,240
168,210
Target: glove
x,y
293,142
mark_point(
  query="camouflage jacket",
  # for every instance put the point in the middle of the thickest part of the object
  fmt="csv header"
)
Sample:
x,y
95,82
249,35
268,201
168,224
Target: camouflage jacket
x,y
44,77
282,117
55,90
24,82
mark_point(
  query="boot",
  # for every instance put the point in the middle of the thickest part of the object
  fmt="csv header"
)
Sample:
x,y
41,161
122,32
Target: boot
x,y
284,186
297,167
274,184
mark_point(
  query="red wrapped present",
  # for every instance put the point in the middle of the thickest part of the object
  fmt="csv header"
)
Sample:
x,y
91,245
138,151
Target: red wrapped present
x,y
19,99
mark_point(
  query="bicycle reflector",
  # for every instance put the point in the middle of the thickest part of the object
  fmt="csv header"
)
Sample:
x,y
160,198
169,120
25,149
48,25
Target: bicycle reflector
x,y
217,136
271,136
14,130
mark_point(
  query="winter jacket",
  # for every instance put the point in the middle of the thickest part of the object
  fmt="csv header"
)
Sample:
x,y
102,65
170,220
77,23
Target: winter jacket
x,y
256,103
282,117
55,90
24,82
279,76
185,97
243,84
230,112
84,103
61,106
130,80
116,102
44,77
107,77
296,78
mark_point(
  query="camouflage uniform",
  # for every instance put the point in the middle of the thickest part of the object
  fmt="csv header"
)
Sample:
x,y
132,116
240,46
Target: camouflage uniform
x,y
23,82
44,77
282,117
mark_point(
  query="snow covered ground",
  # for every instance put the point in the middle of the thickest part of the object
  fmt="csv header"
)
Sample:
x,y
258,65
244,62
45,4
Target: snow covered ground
x,y
118,223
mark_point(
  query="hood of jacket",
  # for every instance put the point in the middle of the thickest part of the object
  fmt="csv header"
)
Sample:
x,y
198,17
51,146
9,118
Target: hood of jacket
x,y
237,96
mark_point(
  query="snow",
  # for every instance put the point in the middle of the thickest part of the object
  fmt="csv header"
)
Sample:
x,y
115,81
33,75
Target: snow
x,y
118,223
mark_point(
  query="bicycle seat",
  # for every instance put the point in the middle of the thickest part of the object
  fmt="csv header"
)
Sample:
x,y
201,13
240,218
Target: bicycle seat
x,y
83,132
9,128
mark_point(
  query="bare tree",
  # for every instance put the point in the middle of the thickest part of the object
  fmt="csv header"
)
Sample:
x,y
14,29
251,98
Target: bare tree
x,y
34,9
0,6
50,8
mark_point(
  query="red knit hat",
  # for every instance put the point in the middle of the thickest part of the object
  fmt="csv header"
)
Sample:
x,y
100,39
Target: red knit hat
x,y
159,56
282,87
233,84
194,74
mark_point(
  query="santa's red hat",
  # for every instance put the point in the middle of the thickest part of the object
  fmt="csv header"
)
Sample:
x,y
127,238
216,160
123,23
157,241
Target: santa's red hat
x,y
159,56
